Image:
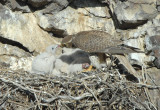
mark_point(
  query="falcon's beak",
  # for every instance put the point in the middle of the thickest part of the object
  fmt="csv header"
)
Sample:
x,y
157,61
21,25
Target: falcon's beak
x,y
62,45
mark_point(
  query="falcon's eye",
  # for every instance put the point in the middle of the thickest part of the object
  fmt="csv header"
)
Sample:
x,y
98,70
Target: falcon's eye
x,y
52,48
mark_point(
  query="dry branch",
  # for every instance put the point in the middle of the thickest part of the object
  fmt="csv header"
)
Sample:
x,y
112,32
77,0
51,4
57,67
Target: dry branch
x,y
97,90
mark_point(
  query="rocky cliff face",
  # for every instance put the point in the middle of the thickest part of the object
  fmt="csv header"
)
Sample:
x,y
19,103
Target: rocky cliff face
x,y
29,26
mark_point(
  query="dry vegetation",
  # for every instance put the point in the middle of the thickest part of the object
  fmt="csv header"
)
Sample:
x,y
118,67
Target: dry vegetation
x,y
99,90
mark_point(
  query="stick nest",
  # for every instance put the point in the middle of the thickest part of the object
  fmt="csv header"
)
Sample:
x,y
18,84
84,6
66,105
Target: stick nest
x,y
99,90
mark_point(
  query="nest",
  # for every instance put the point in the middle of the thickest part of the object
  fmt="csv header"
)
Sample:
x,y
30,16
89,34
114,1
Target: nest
x,y
97,90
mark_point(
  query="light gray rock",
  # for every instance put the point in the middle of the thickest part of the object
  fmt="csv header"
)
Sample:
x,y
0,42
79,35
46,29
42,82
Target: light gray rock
x,y
158,2
138,58
9,50
152,42
17,6
55,7
140,38
158,5
153,45
52,8
23,29
157,62
130,14
94,8
143,1
16,63
80,16
63,3
151,28
44,63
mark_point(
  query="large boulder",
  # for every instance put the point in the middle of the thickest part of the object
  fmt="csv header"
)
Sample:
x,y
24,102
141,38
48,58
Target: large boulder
x,y
153,45
80,16
131,14
23,28
6,49
16,6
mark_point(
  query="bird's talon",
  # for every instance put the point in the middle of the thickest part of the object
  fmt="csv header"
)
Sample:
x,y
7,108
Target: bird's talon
x,y
88,69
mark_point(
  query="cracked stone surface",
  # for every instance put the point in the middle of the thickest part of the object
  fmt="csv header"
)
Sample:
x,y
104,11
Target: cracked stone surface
x,y
29,26
87,16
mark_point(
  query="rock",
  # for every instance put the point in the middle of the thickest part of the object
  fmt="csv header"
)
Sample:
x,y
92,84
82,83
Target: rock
x,y
152,42
158,5
157,62
154,28
23,28
17,6
143,1
156,52
138,58
55,6
136,43
104,1
129,18
22,0
21,63
158,2
6,49
93,7
154,76
15,63
52,8
153,45
151,28
38,3
158,8
86,17
63,3
41,3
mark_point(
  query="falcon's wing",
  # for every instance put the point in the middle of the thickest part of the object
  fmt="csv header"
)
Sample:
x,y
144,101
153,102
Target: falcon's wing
x,y
94,41
67,39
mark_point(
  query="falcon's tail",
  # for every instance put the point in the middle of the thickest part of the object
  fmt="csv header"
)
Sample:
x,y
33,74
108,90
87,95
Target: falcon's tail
x,y
121,50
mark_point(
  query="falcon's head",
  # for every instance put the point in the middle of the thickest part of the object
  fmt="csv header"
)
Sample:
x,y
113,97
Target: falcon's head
x,y
52,49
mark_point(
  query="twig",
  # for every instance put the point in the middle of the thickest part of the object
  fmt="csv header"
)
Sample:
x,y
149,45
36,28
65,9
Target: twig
x,y
38,103
66,106
24,88
140,85
114,96
92,93
67,97
144,81
17,103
